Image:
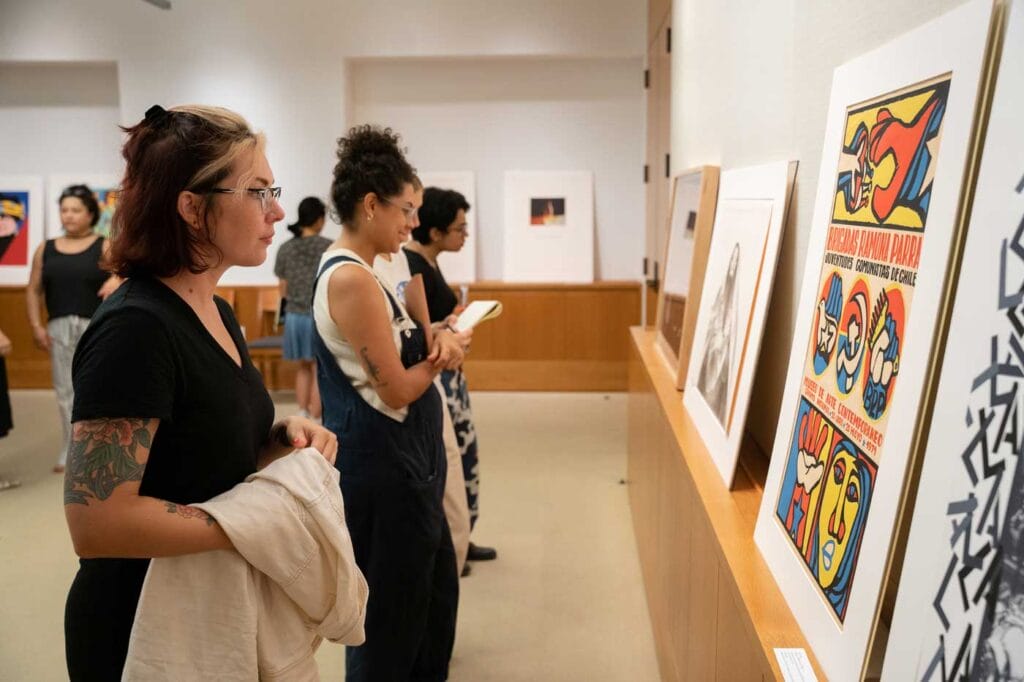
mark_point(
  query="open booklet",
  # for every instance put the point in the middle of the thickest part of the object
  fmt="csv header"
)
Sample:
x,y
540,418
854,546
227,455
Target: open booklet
x,y
476,312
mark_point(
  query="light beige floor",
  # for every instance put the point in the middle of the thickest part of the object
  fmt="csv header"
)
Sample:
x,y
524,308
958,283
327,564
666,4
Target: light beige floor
x,y
564,600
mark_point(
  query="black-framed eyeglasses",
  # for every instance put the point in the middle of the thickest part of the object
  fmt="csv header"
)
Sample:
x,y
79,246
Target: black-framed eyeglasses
x,y
267,195
409,211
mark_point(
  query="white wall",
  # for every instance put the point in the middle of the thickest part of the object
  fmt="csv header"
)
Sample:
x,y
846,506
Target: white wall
x,y
59,118
750,84
497,114
282,65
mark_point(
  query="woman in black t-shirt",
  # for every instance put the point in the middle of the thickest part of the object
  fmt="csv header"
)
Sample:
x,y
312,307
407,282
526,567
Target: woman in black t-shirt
x,y
168,407
443,228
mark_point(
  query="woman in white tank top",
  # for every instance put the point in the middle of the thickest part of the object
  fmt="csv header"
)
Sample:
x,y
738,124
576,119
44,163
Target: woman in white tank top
x,y
376,367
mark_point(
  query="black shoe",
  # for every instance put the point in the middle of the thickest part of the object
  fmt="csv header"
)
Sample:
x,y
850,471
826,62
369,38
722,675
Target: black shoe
x,y
466,569
478,553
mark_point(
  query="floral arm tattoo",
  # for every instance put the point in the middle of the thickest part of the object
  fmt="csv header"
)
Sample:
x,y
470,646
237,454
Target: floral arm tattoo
x,y
186,512
103,455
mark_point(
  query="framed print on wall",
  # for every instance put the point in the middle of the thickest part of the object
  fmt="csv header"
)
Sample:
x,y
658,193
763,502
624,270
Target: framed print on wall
x,y
21,226
691,219
549,226
960,606
103,186
458,267
749,219
886,215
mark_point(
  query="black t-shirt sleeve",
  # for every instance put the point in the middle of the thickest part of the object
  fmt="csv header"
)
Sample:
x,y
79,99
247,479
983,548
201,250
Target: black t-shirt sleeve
x,y
441,301
124,367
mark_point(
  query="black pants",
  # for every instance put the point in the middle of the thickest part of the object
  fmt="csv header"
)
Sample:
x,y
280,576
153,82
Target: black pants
x,y
99,615
404,548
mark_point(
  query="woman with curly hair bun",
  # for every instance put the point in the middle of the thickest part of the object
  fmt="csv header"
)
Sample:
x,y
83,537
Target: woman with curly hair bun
x,y
376,367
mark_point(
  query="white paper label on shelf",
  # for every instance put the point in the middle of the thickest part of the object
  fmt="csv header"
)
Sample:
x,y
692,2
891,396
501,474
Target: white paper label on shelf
x,y
795,665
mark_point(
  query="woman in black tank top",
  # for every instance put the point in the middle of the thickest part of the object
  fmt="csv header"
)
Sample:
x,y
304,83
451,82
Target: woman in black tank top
x,y
67,276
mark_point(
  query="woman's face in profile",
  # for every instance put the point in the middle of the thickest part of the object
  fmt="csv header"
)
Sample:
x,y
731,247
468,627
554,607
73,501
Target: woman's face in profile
x,y
241,228
455,238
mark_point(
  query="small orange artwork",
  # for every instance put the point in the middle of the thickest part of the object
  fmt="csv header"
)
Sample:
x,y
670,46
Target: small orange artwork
x,y
547,211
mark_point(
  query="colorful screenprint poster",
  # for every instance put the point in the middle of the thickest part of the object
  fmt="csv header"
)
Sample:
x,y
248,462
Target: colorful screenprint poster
x,y
869,270
547,211
15,227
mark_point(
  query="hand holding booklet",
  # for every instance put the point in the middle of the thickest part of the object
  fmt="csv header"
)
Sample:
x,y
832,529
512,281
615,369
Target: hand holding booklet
x,y
476,312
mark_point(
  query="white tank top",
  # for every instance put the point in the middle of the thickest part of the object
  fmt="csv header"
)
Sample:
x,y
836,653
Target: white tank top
x,y
346,356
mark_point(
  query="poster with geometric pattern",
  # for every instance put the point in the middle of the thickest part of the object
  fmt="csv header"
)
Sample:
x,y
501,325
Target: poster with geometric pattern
x,y
959,611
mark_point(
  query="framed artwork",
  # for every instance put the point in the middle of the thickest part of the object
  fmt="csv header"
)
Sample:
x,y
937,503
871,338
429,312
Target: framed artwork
x,y
748,224
886,216
21,226
104,186
959,611
458,267
549,226
691,219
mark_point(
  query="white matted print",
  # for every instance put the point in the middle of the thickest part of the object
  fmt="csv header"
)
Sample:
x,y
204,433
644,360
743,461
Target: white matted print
x,y
897,141
960,606
103,186
749,219
458,267
549,226
21,226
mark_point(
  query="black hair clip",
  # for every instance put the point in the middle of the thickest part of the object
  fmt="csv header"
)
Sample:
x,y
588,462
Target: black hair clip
x,y
156,115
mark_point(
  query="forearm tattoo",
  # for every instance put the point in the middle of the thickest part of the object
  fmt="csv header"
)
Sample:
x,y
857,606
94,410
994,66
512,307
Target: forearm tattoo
x,y
372,370
186,512
103,455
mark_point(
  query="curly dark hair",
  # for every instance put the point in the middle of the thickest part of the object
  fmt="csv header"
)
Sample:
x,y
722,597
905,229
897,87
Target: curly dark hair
x,y
369,160
439,209
86,196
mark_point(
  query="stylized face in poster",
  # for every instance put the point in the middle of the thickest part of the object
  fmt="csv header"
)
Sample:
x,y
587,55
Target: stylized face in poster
x,y
547,211
845,500
716,365
14,228
852,338
830,305
826,496
885,335
868,273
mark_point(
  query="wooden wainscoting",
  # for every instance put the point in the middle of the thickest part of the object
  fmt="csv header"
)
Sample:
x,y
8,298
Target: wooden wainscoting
x,y
27,366
550,337
554,337
716,611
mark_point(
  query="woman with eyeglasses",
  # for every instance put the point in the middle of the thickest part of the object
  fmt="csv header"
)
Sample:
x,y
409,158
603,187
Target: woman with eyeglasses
x,y
67,276
443,228
296,266
169,410
376,368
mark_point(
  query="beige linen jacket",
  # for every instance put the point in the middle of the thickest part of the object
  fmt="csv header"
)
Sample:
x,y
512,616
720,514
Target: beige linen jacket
x,y
260,611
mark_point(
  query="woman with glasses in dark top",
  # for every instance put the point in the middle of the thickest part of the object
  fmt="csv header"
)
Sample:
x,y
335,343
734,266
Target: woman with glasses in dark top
x,y
169,410
443,228
67,276
376,368
296,266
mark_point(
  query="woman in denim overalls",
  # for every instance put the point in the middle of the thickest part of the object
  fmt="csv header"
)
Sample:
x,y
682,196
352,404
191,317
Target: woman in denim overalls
x,y
376,366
